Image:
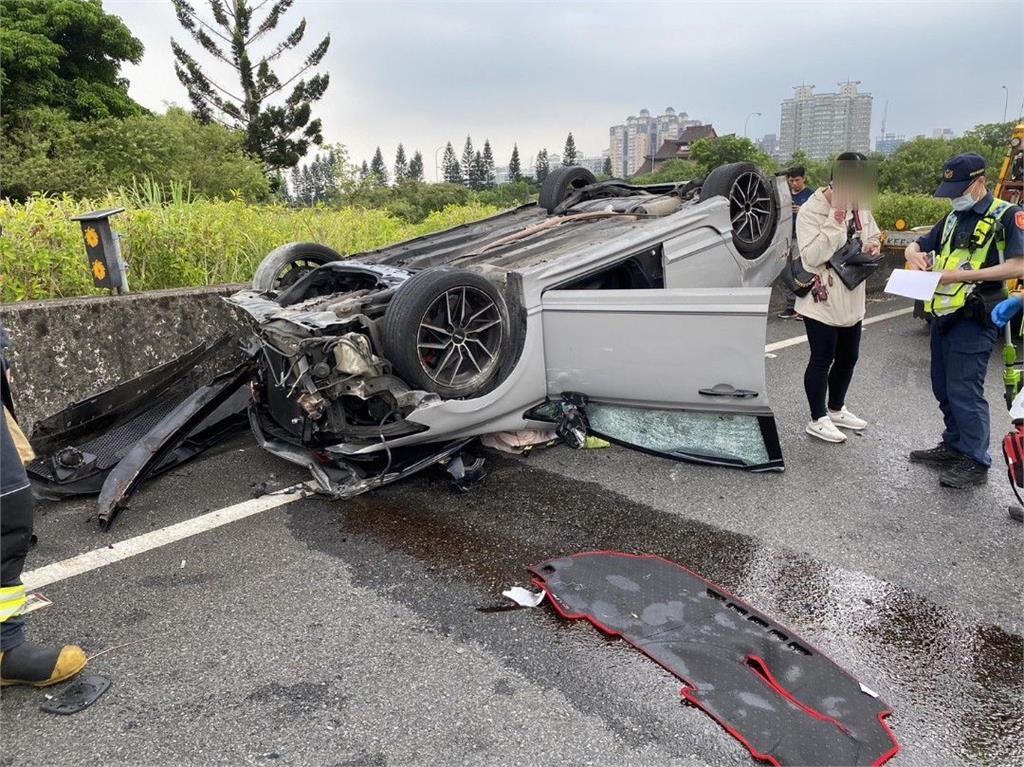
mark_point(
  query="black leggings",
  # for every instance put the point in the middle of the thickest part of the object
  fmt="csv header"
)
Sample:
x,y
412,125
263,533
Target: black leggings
x,y
829,371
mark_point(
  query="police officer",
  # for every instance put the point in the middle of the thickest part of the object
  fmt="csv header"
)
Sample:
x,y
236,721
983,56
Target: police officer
x,y
976,246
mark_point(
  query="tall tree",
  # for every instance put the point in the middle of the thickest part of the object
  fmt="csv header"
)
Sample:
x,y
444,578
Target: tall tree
x,y
378,170
542,167
487,179
467,161
416,167
569,153
606,169
450,166
515,168
401,164
278,126
364,171
66,55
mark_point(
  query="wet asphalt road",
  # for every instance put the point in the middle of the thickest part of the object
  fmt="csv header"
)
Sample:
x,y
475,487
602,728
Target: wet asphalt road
x,y
369,633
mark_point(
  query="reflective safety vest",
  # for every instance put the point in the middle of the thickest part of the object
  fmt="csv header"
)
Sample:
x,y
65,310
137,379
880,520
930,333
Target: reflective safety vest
x,y
12,600
949,298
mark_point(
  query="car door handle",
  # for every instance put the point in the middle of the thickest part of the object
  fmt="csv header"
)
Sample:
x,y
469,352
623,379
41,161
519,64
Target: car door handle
x,y
728,390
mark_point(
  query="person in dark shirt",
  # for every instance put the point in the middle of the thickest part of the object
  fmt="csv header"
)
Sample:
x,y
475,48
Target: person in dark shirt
x,y
21,661
800,193
977,246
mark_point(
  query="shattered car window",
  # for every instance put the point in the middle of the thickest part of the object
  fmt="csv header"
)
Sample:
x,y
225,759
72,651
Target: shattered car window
x,y
735,438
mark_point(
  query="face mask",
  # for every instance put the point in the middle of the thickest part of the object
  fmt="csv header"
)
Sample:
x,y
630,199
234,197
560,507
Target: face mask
x,y
964,202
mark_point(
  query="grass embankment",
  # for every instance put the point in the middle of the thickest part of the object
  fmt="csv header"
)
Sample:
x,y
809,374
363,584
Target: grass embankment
x,y
184,243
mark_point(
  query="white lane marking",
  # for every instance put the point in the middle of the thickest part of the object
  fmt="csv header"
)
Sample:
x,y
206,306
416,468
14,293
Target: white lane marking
x,y
108,555
869,321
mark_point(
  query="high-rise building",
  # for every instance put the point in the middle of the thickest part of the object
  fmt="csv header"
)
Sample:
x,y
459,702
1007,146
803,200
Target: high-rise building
x,y
824,124
889,143
640,136
946,134
769,144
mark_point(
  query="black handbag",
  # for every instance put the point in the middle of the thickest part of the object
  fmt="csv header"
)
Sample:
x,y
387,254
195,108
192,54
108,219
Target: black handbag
x,y
850,263
797,278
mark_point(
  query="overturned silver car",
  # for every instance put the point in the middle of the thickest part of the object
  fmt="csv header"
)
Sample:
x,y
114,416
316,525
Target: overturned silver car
x,y
634,313
641,309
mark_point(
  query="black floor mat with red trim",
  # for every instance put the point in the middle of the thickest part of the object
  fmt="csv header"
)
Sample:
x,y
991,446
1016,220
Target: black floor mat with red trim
x,y
779,696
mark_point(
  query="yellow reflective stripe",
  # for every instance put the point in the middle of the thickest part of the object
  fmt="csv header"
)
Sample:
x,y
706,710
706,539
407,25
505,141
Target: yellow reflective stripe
x,y
12,599
949,298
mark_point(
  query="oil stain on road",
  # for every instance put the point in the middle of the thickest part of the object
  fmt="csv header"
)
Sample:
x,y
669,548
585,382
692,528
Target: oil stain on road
x,y
955,686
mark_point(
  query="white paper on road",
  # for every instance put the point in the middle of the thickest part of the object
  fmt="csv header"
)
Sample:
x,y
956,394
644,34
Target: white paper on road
x,y
524,597
913,284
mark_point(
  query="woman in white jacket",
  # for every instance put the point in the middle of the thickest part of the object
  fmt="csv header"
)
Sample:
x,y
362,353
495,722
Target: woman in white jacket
x,y
833,313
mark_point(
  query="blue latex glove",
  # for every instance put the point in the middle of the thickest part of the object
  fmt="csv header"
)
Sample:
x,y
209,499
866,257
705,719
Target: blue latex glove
x,y
1006,310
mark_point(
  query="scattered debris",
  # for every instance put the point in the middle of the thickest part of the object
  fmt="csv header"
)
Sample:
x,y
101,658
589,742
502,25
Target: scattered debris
x,y
524,597
35,601
518,442
79,695
465,474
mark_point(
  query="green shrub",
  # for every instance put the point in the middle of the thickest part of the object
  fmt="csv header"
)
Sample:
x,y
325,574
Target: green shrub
x,y
184,243
43,150
914,209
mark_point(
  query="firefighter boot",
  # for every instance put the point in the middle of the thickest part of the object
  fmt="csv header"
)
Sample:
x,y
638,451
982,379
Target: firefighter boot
x,y
38,665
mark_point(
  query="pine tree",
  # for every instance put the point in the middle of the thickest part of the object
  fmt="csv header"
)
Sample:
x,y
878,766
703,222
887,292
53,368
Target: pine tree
x,y
416,167
450,166
543,167
607,169
569,153
378,170
487,181
476,172
296,185
364,171
515,169
467,160
278,132
401,165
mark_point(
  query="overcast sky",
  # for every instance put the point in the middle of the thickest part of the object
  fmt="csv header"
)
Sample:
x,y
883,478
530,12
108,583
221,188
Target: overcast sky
x,y
424,73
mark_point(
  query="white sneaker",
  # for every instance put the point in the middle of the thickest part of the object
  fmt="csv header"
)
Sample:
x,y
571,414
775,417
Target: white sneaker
x,y
824,429
844,419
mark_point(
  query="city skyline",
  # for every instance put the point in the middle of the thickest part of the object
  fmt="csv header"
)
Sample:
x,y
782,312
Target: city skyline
x,y
540,71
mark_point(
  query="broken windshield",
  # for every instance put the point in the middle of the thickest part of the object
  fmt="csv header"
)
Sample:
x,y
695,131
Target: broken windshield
x,y
718,437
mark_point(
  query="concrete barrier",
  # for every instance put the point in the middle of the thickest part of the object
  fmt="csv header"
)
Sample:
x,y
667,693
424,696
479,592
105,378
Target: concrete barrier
x,y
65,349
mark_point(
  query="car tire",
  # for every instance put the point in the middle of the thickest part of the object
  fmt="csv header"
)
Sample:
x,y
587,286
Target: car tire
x,y
283,266
442,312
560,183
753,206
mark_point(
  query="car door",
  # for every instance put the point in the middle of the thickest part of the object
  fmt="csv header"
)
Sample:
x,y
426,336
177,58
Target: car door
x,y
675,372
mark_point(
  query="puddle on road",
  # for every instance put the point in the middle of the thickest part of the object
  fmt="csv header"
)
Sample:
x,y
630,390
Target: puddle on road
x,y
954,685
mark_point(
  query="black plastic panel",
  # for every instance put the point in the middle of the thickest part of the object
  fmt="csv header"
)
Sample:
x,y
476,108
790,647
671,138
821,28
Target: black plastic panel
x,y
777,694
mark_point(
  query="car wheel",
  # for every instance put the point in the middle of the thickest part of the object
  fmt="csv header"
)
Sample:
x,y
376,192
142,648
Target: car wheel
x,y
560,183
284,266
753,207
447,331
